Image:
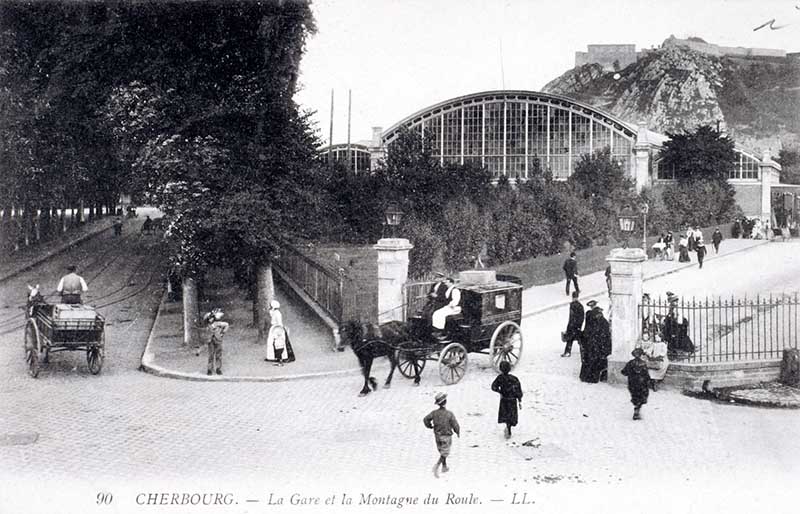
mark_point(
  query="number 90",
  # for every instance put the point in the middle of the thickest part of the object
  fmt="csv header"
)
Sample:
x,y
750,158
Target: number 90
x,y
104,498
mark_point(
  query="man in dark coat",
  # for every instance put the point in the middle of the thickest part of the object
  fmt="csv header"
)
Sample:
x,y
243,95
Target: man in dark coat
x,y
716,239
574,325
571,272
638,381
596,345
437,296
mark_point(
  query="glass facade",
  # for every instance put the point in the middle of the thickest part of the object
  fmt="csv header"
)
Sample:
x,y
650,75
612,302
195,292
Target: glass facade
x,y
746,168
511,134
359,156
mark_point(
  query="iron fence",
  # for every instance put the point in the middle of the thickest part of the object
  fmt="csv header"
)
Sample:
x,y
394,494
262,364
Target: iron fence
x,y
324,286
720,330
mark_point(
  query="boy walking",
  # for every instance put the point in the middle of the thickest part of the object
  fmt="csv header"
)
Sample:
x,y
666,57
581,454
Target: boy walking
x,y
443,422
638,381
217,328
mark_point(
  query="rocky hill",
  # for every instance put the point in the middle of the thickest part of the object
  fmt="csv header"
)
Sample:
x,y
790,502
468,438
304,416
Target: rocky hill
x,y
755,99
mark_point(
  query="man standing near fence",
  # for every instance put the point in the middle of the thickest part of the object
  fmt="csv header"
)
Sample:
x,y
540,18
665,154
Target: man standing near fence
x,y
574,325
571,272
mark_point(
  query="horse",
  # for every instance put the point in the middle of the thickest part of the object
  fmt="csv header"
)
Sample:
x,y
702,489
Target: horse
x,y
369,341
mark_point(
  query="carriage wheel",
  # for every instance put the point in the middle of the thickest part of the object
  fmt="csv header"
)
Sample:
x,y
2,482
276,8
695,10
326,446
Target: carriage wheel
x,y
94,357
410,363
32,342
506,345
452,363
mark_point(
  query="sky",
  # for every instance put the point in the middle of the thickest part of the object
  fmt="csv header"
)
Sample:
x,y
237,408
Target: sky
x,y
400,56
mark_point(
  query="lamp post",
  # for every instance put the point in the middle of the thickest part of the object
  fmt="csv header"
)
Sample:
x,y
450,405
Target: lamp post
x,y
393,216
627,222
645,208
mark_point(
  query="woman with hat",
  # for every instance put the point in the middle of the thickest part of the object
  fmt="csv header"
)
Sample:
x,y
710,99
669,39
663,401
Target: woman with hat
x,y
638,381
444,424
279,348
596,344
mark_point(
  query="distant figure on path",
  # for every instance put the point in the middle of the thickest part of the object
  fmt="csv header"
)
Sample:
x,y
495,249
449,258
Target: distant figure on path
x,y
683,249
444,424
510,397
736,230
574,325
571,272
668,243
716,239
700,248
638,381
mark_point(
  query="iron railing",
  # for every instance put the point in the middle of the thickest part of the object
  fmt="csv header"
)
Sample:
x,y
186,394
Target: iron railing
x,y
323,285
724,329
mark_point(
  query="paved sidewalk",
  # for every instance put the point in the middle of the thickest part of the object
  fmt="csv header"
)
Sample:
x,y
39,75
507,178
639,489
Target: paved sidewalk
x,y
538,299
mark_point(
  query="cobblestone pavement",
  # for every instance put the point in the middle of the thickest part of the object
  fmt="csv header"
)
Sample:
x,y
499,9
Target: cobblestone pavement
x,y
69,436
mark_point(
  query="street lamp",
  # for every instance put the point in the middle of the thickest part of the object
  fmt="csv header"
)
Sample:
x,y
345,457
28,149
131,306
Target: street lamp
x,y
627,222
393,217
645,208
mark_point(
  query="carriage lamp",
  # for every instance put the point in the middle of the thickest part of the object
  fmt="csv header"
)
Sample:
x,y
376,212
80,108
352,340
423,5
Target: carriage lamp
x,y
627,222
393,216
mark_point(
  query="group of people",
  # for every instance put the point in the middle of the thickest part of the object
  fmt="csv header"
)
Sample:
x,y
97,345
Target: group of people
x,y
444,424
691,241
592,331
279,348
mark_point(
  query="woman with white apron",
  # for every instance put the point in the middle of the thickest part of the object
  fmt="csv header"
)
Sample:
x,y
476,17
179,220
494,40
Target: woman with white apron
x,y
279,349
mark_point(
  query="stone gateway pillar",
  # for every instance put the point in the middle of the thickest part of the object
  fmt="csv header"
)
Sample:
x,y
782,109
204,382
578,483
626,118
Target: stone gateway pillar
x,y
392,276
626,294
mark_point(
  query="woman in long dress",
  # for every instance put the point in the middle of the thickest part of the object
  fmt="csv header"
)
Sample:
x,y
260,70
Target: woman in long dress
x,y
279,348
655,355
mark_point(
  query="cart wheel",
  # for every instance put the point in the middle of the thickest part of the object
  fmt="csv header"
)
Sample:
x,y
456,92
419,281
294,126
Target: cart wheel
x,y
452,363
94,357
506,345
410,363
32,348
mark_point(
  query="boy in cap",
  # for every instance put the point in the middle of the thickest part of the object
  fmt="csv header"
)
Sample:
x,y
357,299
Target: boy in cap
x,y
217,329
638,381
443,422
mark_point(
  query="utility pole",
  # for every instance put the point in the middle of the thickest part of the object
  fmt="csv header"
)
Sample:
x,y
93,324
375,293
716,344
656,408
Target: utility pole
x,y
330,139
349,106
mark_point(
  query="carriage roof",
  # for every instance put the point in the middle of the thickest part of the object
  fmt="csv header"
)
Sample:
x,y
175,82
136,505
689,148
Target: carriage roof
x,y
490,287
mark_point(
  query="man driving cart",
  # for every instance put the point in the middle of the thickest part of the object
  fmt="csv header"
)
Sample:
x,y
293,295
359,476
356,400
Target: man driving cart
x,y
71,286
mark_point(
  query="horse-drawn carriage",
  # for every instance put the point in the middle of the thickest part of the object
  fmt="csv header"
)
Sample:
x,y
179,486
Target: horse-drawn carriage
x,y
489,323
63,327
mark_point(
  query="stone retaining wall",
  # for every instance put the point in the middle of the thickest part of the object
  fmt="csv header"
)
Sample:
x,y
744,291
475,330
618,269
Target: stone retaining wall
x,y
707,376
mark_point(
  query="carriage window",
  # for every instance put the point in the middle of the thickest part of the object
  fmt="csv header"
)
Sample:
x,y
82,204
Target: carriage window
x,y
500,301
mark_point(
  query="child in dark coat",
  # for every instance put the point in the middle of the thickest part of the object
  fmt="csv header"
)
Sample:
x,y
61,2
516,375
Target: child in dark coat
x,y
510,397
638,381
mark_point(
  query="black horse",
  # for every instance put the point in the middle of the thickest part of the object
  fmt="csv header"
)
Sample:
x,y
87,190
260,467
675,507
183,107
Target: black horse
x,y
369,341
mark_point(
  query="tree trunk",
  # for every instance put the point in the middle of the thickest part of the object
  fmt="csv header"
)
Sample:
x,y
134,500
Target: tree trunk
x,y
37,225
26,225
264,295
63,216
191,313
81,217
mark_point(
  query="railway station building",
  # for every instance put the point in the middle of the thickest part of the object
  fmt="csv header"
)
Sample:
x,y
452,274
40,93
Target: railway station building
x,y
507,131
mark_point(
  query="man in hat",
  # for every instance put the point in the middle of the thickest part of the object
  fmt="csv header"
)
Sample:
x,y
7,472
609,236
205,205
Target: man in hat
x,y
437,295
71,286
217,327
444,424
574,324
571,272
638,381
